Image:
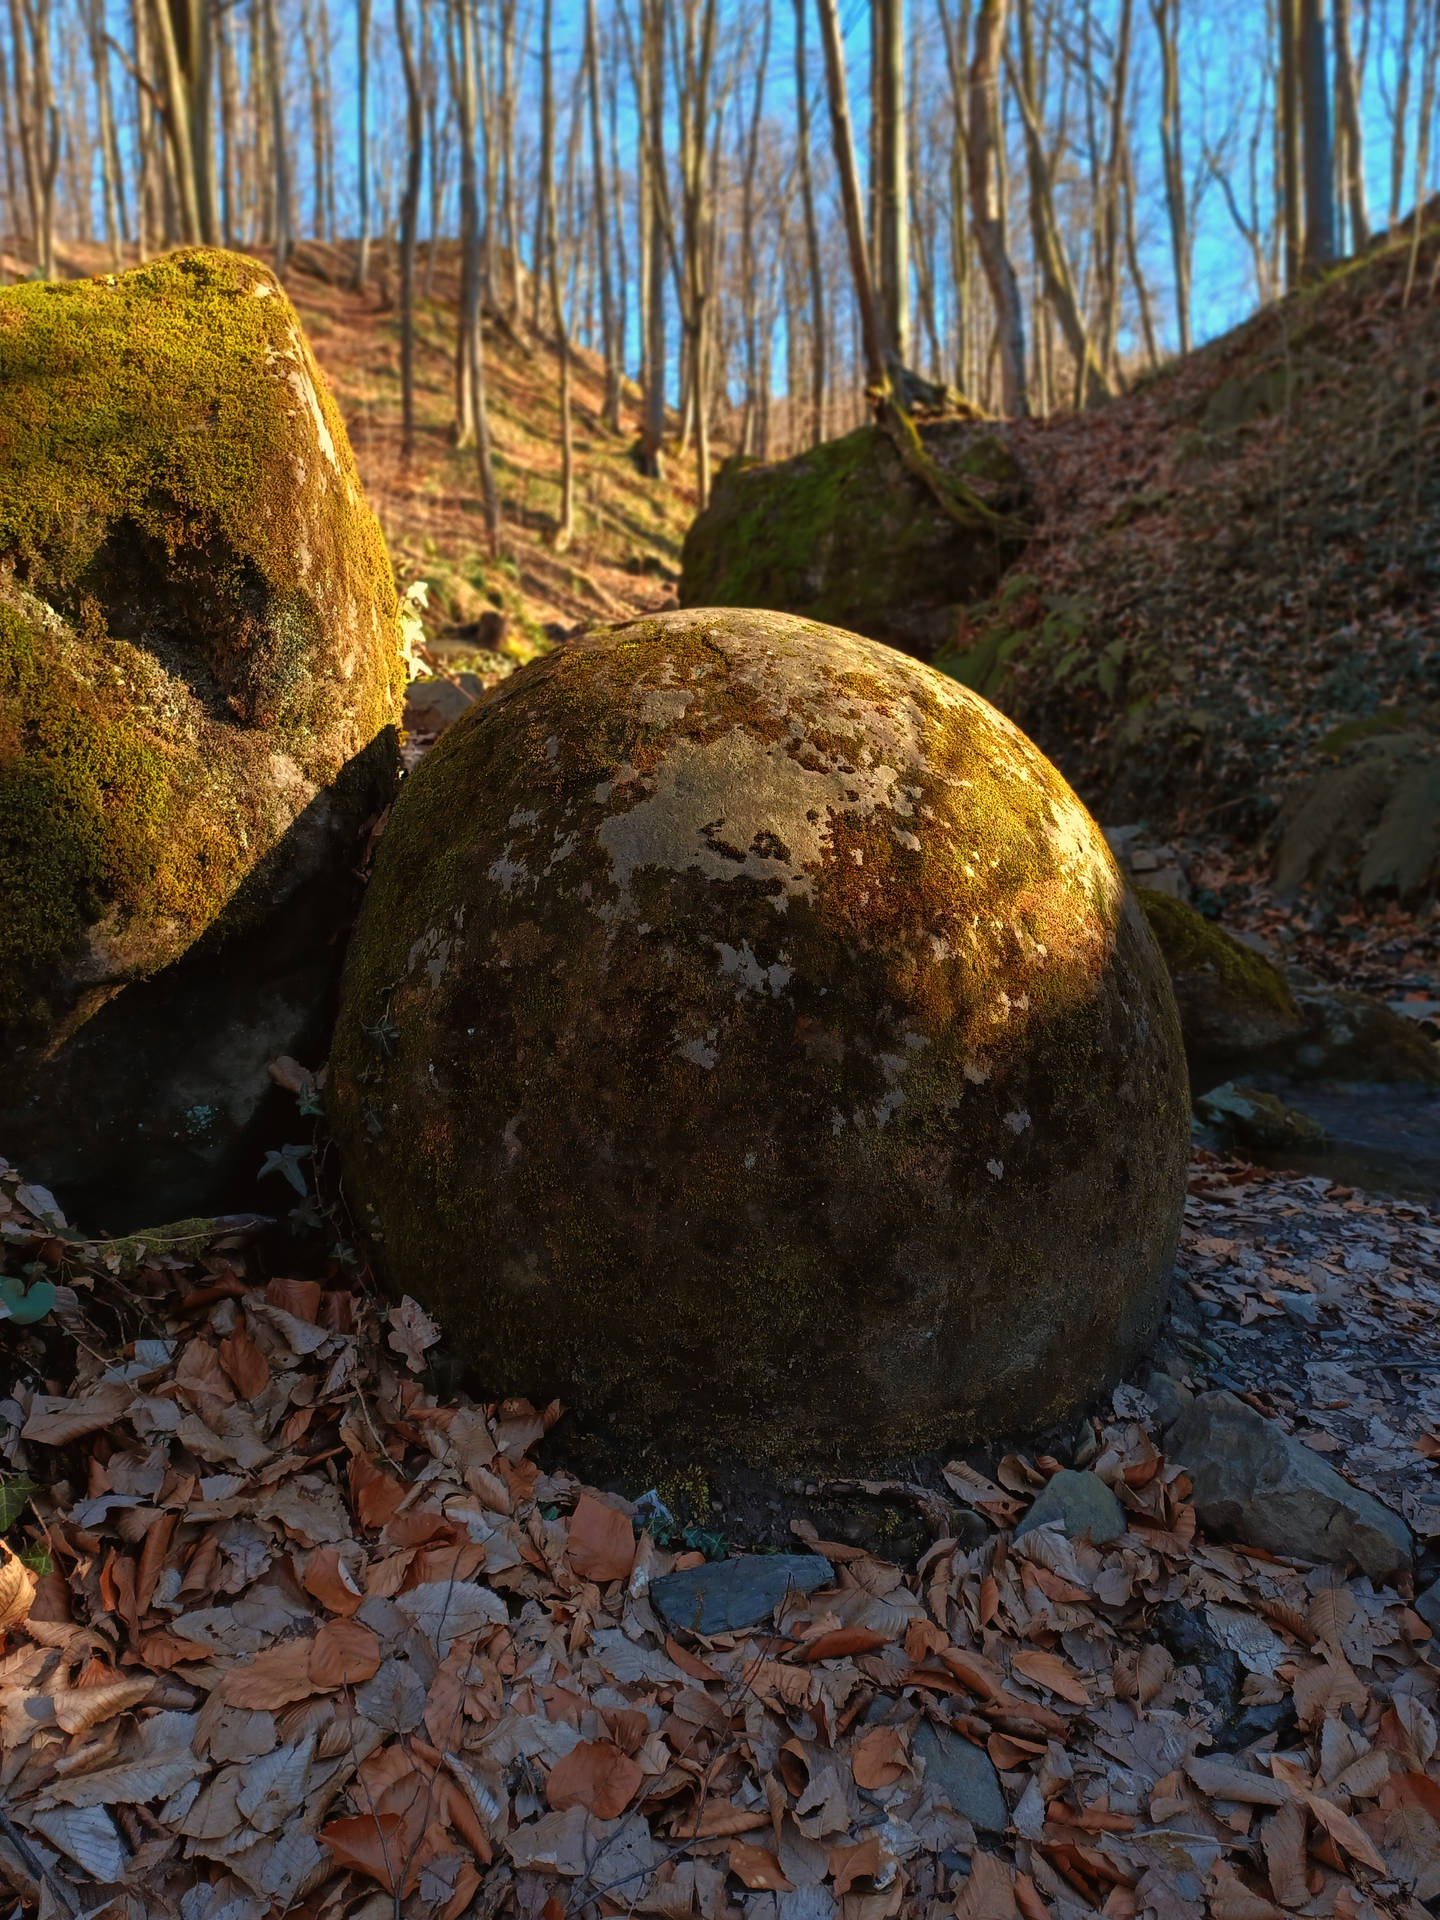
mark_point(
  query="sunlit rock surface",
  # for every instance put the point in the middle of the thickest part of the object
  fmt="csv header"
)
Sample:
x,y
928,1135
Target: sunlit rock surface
x,y
747,1034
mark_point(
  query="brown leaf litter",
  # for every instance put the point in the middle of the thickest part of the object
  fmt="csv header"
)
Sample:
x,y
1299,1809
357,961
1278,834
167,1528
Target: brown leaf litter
x,y
312,1641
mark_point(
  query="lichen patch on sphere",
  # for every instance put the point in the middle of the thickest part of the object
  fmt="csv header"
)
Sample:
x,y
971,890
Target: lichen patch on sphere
x,y
705,970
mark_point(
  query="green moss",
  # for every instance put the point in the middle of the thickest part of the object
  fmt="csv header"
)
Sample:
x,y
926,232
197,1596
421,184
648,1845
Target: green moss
x,y
1192,944
197,617
707,1138
842,533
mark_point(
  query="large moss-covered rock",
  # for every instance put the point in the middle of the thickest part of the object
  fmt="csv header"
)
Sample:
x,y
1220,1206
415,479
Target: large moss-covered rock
x,y
845,533
747,1033
1233,1002
197,625
1367,821
200,673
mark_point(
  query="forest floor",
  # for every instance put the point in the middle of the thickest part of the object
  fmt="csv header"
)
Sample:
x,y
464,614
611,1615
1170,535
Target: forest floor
x,y
313,1633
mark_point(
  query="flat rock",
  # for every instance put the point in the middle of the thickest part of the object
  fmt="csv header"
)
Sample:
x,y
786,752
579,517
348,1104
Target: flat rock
x,y
726,1595
1427,1606
963,1775
1082,1503
1257,1484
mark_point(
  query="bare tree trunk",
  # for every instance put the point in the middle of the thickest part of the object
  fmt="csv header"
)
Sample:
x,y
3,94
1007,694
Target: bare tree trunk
x,y
749,271
871,332
317,120
1347,100
362,137
430,88
547,266
229,132
409,224
1166,15
1429,61
812,233
1288,103
614,345
894,198
653,60
1110,220
279,139
1319,153
178,125
982,155
1402,109
112,177
1132,260
1091,380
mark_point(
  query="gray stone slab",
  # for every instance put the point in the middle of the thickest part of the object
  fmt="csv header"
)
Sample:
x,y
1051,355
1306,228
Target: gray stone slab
x,y
1082,1503
1256,1483
963,1776
725,1595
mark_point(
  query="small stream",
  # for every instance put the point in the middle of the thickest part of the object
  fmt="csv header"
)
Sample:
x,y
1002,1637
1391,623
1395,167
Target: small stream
x,y
1385,1138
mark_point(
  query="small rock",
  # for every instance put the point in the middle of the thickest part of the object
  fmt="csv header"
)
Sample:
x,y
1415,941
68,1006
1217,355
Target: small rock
x,y
1301,1306
1255,1483
726,1595
1168,1396
1427,1606
963,1775
1257,1119
1082,1503
432,705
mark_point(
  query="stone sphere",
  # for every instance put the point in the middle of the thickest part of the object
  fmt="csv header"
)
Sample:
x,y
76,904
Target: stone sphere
x,y
747,1035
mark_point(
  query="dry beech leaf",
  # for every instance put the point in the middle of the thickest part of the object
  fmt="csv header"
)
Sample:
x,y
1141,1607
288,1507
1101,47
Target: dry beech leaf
x,y
840,1642
600,1544
272,1679
298,1297
989,1893
78,1709
331,1576
17,1589
595,1775
412,1331
373,1844
245,1364
1049,1670
867,1862
880,1759
343,1654
758,1868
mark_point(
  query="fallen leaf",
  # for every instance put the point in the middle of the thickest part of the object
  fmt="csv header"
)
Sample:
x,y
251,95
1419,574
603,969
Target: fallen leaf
x,y
343,1654
412,1331
272,1679
879,1759
373,1844
600,1544
1049,1670
595,1775
758,1868
868,1862
989,1893
840,1642
17,1589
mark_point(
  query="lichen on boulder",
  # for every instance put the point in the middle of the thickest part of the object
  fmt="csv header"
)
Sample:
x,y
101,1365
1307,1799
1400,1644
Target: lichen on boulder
x,y
844,533
197,626
747,1035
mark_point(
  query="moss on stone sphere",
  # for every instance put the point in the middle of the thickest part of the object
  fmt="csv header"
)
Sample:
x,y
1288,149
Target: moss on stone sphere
x,y
748,1035
199,636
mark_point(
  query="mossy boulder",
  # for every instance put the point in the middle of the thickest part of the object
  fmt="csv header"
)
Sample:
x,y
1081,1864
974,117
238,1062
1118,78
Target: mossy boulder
x,y
200,675
748,1035
1233,1002
197,625
844,533
1367,822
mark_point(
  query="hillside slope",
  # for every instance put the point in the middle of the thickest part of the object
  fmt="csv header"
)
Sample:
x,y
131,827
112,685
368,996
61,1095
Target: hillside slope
x,y
1236,559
